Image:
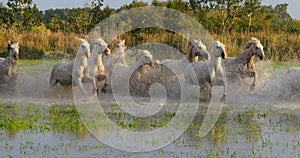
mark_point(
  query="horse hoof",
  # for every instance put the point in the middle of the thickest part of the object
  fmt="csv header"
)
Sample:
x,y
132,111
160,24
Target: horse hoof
x,y
103,90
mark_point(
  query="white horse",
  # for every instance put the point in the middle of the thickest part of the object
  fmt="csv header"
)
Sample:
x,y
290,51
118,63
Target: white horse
x,y
8,68
118,56
68,73
243,66
96,67
209,73
122,72
179,66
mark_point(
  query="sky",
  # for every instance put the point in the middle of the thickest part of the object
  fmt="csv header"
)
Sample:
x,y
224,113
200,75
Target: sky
x,y
293,7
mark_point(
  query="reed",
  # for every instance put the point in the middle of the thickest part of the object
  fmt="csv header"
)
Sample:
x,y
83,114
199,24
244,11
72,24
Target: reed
x,y
277,46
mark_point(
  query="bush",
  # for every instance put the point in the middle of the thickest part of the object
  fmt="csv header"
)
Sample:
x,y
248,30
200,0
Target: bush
x,y
30,53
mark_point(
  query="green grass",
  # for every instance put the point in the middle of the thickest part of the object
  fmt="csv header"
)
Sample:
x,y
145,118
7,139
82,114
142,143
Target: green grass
x,y
58,118
36,62
34,66
284,65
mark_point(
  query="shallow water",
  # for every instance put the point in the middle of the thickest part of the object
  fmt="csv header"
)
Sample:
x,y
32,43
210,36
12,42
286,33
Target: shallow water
x,y
240,132
255,123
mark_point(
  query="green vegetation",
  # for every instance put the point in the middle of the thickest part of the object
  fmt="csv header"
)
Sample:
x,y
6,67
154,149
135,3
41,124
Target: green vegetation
x,y
233,22
16,118
239,132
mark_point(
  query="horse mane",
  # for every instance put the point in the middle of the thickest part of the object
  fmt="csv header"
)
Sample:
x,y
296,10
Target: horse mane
x,y
190,55
250,62
252,41
141,54
222,46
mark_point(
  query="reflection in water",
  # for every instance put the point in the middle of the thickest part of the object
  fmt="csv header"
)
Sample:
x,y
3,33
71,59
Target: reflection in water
x,y
238,132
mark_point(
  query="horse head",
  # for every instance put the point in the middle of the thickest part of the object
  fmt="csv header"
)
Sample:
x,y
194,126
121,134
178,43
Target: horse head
x,y
199,49
84,47
257,48
121,45
221,51
13,49
144,57
101,47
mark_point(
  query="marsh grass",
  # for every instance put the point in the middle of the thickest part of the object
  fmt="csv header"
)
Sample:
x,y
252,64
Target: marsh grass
x,y
57,118
13,119
239,132
278,46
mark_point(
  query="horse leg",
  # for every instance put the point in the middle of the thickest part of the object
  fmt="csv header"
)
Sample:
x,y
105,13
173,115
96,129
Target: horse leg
x,y
95,88
79,84
238,79
107,78
225,89
254,74
13,85
103,90
223,82
100,78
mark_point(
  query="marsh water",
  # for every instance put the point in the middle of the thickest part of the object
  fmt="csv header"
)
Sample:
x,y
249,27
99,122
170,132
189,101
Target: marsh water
x,y
43,122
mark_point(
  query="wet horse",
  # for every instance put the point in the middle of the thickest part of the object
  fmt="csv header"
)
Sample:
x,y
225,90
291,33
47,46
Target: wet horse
x,y
179,66
209,73
68,73
243,66
8,68
95,64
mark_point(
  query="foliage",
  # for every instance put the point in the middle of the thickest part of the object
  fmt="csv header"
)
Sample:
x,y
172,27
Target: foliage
x,y
7,17
27,14
232,22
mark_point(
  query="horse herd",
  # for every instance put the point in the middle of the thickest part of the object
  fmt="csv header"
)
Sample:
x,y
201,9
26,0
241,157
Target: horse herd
x,y
99,64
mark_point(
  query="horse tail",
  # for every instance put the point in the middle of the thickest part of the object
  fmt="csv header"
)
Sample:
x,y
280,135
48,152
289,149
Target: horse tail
x,y
52,80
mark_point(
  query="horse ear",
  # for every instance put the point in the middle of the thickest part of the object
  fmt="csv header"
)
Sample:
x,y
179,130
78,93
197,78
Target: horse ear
x,y
193,41
9,45
17,44
80,40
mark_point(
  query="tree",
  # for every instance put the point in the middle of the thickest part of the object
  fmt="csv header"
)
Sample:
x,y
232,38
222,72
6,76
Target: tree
x,y
79,20
159,3
96,12
7,17
27,14
282,20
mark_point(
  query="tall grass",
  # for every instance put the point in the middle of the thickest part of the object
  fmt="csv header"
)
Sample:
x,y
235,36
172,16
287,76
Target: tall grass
x,y
47,41
278,46
33,44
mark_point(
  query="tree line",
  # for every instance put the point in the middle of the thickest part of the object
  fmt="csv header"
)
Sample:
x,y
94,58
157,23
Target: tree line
x,y
217,16
234,18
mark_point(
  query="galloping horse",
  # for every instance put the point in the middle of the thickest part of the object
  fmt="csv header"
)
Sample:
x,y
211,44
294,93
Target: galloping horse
x,y
96,67
67,73
198,49
8,68
243,66
209,73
